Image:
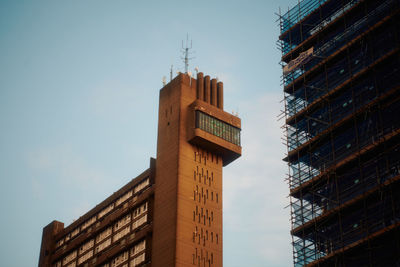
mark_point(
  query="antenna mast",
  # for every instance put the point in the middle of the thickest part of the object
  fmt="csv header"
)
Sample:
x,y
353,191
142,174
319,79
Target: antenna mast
x,y
185,52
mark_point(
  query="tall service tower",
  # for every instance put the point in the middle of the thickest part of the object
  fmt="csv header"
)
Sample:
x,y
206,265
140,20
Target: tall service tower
x,y
196,138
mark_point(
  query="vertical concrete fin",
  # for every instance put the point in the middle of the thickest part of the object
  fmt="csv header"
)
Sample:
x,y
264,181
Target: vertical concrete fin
x,y
207,89
213,94
220,95
200,86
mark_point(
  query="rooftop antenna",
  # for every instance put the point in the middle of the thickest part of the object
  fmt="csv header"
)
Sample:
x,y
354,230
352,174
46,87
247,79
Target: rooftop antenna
x,y
185,52
170,73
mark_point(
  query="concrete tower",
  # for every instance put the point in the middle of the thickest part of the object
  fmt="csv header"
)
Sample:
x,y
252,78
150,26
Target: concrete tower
x,y
196,138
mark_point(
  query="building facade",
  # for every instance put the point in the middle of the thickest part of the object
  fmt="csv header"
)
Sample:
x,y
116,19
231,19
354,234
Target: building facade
x,y
341,79
171,214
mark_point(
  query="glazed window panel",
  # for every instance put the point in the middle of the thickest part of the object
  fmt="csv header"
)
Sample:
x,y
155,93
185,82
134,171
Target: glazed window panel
x,y
121,233
60,243
139,247
217,127
85,257
103,235
106,210
103,245
138,260
85,247
70,257
120,259
142,185
75,232
139,222
88,223
72,264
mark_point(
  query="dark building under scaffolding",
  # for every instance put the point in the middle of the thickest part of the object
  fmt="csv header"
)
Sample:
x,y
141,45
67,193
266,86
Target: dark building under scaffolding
x,y
341,76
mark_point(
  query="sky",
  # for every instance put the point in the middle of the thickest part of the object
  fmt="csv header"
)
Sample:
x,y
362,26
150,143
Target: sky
x,y
79,88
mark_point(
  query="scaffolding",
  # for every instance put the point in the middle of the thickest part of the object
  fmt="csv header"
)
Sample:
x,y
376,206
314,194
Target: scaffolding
x,y
342,130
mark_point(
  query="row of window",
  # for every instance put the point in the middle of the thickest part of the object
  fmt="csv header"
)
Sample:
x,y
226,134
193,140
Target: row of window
x,y
203,195
203,216
203,156
85,257
103,235
202,258
72,264
122,222
103,245
122,259
71,256
124,197
85,247
120,234
207,179
103,239
217,127
103,212
200,237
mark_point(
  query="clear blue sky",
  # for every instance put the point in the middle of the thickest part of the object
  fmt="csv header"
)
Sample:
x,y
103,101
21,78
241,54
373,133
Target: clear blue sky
x,y
79,85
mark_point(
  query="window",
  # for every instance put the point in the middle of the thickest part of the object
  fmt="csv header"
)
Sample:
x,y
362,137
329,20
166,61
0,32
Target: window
x,y
89,222
105,210
85,257
145,207
218,128
70,257
103,245
138,260
85,247
75,232
124,197
139,222
103,235
72,264
120,259
121,233
142,185
122,222
140,210
60,243
139,247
